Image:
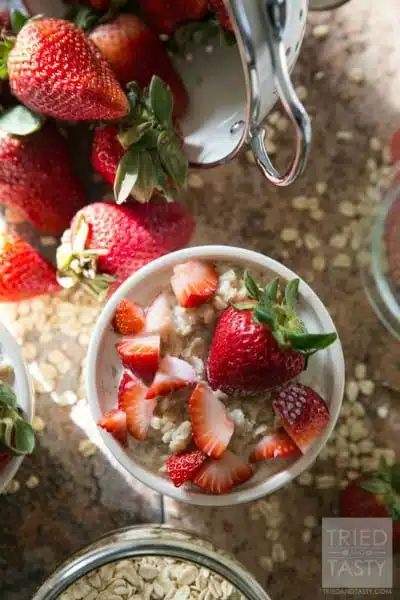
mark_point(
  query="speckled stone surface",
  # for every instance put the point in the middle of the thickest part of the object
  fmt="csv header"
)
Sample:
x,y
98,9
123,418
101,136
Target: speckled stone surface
x,y
79,498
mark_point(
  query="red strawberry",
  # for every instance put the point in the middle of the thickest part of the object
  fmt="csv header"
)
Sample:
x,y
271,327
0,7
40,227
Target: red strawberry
x,y
220,476
140,354
100,4
135,53
275,445
4,460
36,178
163,16
218,6
258,347
115,423
375,496
212,427
183,467
128,237
107,152
303,413
23,272
132,400
193,283
128,318
159,316
395,147
173,374
56,71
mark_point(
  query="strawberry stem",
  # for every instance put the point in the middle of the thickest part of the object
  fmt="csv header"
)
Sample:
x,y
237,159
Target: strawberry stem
x,y
277,310
385,483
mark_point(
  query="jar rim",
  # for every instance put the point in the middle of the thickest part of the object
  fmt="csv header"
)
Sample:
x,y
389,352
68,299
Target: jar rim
x,y
137,541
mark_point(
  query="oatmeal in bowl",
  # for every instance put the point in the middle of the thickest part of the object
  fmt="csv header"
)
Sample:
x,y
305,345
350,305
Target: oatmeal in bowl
x,y
215,375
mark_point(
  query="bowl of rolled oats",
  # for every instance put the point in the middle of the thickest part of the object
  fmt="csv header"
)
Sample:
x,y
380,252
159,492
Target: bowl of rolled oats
x,y
16,409
215,375
151,562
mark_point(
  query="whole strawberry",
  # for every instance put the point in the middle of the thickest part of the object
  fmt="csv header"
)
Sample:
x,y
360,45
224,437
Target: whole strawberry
x,y
261,344
136,54
376,495
164,16
36,178
23,272
109,242
56,71
144,153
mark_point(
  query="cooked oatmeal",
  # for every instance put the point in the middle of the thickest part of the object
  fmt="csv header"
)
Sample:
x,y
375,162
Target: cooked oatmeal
x,y
151,578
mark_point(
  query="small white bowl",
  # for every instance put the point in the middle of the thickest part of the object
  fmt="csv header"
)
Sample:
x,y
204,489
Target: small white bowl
x,y
11,352
325,371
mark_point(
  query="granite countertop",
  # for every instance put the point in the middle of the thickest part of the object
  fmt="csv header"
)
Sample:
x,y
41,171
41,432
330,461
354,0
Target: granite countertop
x,y
69,492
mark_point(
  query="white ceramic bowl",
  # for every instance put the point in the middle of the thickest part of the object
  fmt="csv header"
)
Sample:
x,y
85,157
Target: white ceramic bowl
x,y
325,372
23,388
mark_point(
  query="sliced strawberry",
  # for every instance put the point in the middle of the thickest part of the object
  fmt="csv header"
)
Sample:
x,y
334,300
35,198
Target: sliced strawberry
x,y
275,445
128,318
303,413
182,467
115,423
211,425
159,317
132,400
220,476
193,283
140,354
173,374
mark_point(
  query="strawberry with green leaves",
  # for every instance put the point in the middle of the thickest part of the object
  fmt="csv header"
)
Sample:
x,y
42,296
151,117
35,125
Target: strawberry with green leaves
x,y
261,344
135,53
17,437
144,154
56,71
23,272
375,495
107,243
35,173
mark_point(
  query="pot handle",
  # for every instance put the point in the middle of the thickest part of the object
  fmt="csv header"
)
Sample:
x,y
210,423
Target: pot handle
x,y
273,14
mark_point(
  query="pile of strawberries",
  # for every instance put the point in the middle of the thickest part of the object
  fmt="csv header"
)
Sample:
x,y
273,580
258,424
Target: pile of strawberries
x,y
106,66
258,346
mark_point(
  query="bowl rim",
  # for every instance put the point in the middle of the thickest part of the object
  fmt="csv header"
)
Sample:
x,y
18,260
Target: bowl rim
x,y
25,395
158,483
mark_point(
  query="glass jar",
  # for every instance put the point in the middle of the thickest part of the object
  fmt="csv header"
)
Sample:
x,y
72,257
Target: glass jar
x,y
380,267
151,541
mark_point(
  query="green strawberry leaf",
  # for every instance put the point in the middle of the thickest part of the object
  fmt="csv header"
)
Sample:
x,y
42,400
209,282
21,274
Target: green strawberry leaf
x,y
376,486
127,176
20,121
161,101
263,315
6,46
252,288
18,20
173,160
383,471
243,305
143,188
271,290
24,437
7,395
292,293
85,17
309,343
160,179
393,509
395,477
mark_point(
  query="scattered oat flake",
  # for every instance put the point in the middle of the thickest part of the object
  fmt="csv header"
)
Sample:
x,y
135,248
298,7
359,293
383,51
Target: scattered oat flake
x,y
348,209
356,74
345,136
306,536
375,144
360,371
342,261
382,411
321,187
317,215
289,234
195,181
38,424
32,482
367,387
319,75
339,241
301,92
311,241
319,263
320,31
87,448
13,487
